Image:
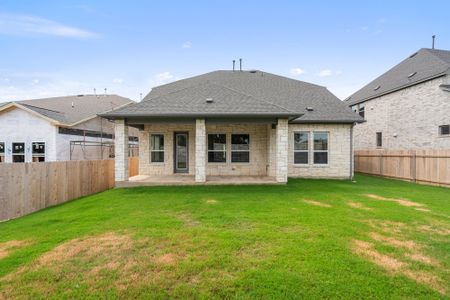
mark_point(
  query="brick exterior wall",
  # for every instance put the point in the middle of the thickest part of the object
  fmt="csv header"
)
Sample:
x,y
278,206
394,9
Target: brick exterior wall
x,y
339,156
412,114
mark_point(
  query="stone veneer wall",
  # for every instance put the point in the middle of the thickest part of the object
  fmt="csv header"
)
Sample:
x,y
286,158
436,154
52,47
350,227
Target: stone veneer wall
x,y
167,167
262,150
121,151
413,114
338,152
258,150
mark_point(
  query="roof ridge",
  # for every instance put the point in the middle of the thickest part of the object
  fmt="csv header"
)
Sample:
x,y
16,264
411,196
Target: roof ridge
x,y
263,100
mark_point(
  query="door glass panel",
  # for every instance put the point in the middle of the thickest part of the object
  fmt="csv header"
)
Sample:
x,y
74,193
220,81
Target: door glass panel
x,y
182,152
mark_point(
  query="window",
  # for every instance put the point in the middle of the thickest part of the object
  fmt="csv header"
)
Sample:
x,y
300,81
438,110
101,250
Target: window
x,y
362,109
38,151
355,108
301,147
444,130
157,147
240,148
2,152
379,139
18,152
217,148
320,148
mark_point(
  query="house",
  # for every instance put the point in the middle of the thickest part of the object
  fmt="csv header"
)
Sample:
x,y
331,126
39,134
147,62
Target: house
x,y
59,128
408,107
237,124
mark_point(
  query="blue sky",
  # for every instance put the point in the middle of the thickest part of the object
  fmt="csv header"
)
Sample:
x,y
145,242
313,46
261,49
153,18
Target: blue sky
x,y
52,48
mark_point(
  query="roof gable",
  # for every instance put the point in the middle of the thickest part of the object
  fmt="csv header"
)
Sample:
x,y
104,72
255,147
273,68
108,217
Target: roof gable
x,y
71,110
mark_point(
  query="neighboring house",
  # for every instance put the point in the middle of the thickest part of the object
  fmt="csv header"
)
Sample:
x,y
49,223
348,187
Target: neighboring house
x,y
59,128
243,123
408,107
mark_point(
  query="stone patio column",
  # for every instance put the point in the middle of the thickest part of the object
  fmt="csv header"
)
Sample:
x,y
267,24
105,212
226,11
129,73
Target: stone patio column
x,y
200,150
121,150
281,162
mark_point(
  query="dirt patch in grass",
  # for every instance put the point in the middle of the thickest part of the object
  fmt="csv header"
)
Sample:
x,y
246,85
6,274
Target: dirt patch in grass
x,y
395,266
367,250
7,247
358,205
422,209
434,230
402,202
211,201
188,219
167,259
391,227
409,245
317,203
423,258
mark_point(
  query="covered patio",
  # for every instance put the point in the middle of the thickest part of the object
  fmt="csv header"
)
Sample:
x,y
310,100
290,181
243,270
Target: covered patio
x,y
146,180
208,151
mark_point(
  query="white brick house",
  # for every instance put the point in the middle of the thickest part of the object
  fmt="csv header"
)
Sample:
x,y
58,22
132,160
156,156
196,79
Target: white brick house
x,y
408,107
243,124
43,129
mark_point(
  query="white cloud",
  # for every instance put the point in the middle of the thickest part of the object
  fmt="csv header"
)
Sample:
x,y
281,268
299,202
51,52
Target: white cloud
x,y
118,80
297,71
162,78
325,73
365,28
186,45
35,81
14,24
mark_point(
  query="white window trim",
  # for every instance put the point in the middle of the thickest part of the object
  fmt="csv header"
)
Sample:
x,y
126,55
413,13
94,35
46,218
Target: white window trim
x,y
321,151
249,148
151,148
307,151
226,149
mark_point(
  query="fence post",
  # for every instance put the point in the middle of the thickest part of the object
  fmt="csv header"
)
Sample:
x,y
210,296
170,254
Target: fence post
x,y
381,163
414,166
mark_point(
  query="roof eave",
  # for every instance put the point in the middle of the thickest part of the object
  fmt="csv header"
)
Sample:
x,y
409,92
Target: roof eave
x,y
395,89
198,115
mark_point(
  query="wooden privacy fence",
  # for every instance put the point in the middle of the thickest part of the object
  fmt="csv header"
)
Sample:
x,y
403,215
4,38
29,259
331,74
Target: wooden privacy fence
x,y
29,187
422,166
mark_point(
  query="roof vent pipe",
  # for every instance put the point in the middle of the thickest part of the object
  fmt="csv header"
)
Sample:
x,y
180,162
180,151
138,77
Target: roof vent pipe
x,y
432,44
105,91
73,105
240,64
234,62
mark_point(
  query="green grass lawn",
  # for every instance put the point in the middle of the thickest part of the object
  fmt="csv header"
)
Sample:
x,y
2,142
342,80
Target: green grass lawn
x,y
373,238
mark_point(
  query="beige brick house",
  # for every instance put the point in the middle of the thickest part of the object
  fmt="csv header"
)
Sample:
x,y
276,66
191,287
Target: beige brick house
x,y
248,126
408,107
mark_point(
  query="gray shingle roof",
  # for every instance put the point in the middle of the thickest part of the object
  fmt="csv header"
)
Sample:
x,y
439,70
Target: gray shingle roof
x,y
84,106
418,67
241,93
